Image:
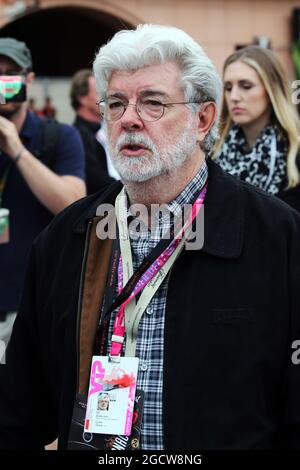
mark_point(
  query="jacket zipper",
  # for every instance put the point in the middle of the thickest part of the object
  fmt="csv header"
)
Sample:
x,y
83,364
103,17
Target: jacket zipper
x,y
87,239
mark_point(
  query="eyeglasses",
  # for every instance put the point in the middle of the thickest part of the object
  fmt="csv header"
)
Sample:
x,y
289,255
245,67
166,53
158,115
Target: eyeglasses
x,y
147,109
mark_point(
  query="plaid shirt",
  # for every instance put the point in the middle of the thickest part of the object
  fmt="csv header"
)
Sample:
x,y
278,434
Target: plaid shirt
x,y
150,341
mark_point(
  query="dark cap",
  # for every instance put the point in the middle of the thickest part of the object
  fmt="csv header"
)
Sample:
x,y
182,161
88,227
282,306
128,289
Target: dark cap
x,y
17,51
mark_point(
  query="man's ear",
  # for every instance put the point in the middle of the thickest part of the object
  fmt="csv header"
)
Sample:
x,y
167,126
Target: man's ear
x,y
29,78
81,99
207,116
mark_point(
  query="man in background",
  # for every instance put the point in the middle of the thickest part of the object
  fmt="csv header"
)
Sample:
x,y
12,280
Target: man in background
x,y
84,101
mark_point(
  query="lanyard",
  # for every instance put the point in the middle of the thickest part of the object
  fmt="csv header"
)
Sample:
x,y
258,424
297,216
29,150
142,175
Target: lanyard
x,y
125,272
163,245
150,275
4,180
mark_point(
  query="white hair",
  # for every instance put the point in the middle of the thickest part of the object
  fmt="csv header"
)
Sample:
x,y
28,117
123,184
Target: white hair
x,y
155,44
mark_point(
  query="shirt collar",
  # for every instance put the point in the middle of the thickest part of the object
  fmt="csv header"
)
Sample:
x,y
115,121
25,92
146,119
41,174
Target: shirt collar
x,y
224,212
186,196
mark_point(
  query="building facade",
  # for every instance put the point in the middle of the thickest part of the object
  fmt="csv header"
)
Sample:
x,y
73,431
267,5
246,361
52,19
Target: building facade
x,y
65,34
219,25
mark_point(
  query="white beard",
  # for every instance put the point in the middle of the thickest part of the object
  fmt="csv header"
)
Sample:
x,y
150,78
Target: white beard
x,y
145,167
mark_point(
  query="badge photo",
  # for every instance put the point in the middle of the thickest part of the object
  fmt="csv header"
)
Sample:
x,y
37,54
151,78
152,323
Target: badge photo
x,y
111,396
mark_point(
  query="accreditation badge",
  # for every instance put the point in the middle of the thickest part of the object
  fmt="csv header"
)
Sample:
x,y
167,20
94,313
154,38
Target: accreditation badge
x,y
81,440
4,226
111,396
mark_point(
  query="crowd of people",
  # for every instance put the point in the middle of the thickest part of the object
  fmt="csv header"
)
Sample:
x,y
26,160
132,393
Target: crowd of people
x,y
47,111
218,322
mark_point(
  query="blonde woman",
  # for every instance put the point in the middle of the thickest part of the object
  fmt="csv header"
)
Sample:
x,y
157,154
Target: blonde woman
x,y
260,127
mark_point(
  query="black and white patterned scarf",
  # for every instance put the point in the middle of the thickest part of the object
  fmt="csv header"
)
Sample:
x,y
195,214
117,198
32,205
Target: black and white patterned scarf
x,y
264,165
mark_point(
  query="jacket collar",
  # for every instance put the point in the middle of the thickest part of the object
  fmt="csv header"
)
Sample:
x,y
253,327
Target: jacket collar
x,y
93,126
223,216
107,196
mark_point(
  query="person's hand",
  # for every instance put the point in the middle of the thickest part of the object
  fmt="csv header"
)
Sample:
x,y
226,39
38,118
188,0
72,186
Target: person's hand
x,y
10,142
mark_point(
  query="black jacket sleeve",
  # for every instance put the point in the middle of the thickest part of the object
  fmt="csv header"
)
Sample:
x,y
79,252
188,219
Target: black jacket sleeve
x,y
27,416
290,437
291,197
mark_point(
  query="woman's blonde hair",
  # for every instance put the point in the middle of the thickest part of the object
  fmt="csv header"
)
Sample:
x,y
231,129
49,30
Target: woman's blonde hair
x,y
272,74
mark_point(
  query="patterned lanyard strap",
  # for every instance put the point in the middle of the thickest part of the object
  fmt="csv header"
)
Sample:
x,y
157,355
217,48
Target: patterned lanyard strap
x,y
164,259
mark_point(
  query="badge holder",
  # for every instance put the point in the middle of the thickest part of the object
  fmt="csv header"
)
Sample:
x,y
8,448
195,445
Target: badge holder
x,y
111,395
81,440
116,358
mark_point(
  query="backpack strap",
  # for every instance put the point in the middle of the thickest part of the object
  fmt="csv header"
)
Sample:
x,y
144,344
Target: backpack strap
x,y
48,150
